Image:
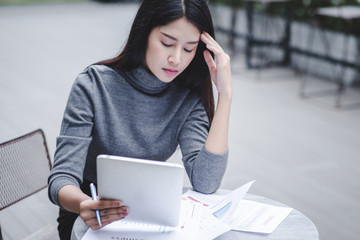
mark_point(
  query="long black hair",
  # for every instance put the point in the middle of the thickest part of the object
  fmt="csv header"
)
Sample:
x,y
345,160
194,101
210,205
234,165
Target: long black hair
x,y
156,13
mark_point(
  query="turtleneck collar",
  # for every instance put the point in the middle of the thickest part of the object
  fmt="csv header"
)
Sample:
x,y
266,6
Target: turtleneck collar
x,y
143,80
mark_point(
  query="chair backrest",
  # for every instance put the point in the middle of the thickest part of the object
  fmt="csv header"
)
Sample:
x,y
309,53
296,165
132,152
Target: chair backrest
x,y
24,167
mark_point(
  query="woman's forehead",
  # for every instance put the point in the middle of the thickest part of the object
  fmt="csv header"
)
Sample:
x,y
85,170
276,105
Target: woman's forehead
x,y
181,29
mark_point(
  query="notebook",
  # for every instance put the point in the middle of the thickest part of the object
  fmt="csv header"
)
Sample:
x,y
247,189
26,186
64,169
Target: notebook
x,y
151,189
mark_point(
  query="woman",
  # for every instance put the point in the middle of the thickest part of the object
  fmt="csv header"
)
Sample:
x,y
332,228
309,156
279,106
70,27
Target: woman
x,y
157,94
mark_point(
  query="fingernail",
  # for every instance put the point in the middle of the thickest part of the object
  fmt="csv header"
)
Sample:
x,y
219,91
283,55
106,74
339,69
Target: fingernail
x,y
118,204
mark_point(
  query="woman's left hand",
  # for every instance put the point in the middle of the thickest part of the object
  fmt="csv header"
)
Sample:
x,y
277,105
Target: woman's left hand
x,y
220,69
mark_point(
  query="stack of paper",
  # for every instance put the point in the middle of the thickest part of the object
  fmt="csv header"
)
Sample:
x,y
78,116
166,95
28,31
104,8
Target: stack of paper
x,y
241,214
202,217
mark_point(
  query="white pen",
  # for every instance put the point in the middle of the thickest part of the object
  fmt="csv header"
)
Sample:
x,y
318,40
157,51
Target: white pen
x,y
94,197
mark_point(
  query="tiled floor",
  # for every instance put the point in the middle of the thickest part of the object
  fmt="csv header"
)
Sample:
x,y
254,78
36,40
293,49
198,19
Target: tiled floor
x,y
302,152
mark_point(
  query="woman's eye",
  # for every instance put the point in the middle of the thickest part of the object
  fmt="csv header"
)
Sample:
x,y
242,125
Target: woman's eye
x,y
166,45
186,50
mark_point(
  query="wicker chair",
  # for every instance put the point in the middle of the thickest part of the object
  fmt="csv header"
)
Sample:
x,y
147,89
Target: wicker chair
x,y
25,166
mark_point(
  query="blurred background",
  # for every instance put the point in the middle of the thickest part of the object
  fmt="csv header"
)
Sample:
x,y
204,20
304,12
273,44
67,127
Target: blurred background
x,y
295,120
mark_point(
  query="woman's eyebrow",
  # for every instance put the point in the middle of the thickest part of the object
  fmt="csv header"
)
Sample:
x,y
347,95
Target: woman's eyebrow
x,y
175,39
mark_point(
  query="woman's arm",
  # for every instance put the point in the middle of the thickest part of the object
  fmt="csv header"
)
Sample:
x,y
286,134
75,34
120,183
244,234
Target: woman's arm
x,y
73,199
70,159
70,198
205,153
220,71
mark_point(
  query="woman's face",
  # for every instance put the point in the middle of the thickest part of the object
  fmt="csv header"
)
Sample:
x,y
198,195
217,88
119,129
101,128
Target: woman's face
x,y
171,48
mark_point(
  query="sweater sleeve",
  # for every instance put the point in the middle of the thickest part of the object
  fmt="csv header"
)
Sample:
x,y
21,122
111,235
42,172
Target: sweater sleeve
x,y
205,169
74,140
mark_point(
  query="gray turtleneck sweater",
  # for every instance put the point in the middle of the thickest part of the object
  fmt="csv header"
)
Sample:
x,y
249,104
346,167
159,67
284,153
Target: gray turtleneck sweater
x,y
132,114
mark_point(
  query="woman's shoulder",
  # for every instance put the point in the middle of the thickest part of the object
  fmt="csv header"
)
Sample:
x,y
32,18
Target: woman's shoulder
x,y
97,70
96,73
94,76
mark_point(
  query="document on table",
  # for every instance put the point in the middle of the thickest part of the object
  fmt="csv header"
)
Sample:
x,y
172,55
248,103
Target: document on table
x,y
251,216
241,214
220,205
198,222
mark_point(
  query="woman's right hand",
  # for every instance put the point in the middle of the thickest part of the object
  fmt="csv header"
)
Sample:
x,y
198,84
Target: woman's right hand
x,y
110,211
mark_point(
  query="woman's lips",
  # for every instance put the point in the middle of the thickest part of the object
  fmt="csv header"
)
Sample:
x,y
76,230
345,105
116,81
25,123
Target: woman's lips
x,y
171,72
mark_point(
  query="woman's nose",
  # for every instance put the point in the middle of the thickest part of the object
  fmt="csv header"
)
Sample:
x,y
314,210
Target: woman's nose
x,y
175,57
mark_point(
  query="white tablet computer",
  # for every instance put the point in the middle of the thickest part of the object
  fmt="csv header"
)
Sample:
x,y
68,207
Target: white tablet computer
x,y
152,190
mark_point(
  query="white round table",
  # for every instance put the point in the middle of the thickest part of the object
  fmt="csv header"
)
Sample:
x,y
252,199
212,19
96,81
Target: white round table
x,y
295,227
